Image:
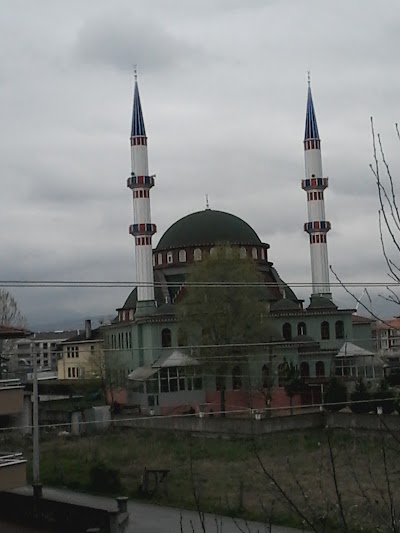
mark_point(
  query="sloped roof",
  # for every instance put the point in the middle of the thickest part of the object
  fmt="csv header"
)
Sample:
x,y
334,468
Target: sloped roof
x,y
10,332
175,358
142,373
352,350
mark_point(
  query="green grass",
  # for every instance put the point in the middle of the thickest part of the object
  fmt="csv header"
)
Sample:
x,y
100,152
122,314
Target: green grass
x,y
229,478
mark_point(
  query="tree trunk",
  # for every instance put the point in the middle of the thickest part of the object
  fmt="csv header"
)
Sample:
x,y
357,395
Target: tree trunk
x,y
222,400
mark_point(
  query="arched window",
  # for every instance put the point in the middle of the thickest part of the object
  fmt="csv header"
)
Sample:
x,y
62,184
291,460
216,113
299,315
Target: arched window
x,y
220,379
228,252
182,256
287,331
159,259
254,254
236,378
154,260
263,254
265,377
166,340
242,253
325,333
320,369
170,258
213,252
197,255
304,370
339,329
301,328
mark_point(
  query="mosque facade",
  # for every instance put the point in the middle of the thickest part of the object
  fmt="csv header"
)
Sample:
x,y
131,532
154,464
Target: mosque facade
x,y
150,364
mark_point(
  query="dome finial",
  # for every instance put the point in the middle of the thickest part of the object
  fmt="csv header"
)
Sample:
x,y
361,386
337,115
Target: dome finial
x,y
207,202
309,78
135,71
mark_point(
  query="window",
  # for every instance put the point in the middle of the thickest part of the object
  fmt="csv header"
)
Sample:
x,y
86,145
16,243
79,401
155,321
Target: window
x,y
254,254
182,256
287,331
213,252
339,329
320,369
228,252
197,255
159,259
265,377
301,328
166,338
236,378
242,253
263,254
282,374
73,371
304,370
170,258
69,371
325,333
220,379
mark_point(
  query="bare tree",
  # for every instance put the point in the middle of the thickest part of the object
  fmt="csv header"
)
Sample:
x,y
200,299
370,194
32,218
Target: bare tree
x,y
10,315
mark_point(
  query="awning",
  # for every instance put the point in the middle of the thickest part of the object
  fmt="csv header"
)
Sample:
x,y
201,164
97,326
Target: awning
x,y
352,350
176,358
142,373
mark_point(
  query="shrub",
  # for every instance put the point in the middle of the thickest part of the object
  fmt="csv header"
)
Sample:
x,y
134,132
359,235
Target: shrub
x,y
385,398
360,394
104,479
335,393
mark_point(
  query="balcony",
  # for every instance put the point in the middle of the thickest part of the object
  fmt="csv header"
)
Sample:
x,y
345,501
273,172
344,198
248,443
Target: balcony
x,y
12,471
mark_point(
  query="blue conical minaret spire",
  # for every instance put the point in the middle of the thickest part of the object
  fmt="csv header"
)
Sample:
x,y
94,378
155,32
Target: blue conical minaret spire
x,y
138,129
315,184
311,131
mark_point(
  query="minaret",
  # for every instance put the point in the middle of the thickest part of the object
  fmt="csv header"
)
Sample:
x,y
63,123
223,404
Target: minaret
x,y
142,229
315,184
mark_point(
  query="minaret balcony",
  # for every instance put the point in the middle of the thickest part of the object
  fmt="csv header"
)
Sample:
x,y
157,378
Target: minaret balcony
x,y
140,181
314,183
317,226
142,229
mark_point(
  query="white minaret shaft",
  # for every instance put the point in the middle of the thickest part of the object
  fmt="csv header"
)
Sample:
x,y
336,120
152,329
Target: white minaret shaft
x,y
315,184
140,182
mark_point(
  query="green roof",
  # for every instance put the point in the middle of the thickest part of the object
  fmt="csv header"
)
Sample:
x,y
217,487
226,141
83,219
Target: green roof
x,y
320,302
208,227
285,305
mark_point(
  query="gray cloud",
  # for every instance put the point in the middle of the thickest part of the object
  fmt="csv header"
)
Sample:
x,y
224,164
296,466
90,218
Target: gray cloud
x,y
223,91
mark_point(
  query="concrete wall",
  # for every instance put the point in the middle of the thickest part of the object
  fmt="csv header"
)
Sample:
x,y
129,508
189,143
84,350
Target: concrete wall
x,y
12,475
366,422
229,426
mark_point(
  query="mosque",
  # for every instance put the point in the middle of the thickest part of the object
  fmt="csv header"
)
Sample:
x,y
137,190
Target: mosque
x,y
151,366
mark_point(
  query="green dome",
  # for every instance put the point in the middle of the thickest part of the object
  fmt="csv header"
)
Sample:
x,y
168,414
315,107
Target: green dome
x,y
285,305
208,227
320,302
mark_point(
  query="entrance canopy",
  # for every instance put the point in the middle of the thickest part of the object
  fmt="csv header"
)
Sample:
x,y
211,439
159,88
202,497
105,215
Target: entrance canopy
x,y
176,358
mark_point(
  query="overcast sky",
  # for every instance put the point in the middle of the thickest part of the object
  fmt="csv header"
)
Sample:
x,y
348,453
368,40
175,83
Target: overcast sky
x,y
223,86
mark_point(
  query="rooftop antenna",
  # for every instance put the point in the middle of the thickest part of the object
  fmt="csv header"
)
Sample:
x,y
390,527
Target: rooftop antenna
x,y
207,202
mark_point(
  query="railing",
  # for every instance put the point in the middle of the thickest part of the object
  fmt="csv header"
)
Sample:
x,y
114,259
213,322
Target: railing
x,y
9,458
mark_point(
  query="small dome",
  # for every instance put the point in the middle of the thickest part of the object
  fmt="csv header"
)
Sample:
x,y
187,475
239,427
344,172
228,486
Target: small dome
x,y
284,305
319,302
208,227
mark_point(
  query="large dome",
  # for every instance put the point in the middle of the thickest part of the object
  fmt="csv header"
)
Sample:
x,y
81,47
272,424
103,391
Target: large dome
x,y
208,227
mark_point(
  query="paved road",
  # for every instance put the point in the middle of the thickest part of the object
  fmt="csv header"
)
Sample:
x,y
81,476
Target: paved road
x,y
149,518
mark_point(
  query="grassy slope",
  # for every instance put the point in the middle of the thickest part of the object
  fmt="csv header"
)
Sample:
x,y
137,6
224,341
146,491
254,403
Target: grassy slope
x,y
229,478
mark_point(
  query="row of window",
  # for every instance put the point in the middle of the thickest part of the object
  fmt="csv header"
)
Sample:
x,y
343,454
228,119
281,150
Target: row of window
x,y
72,351
315,195
318,239
198,255
120,341
324,329
173,379
75,372
141,241
141,193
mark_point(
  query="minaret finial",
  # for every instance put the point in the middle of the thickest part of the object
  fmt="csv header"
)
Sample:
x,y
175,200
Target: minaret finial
x,y
207,202
309,78
135,71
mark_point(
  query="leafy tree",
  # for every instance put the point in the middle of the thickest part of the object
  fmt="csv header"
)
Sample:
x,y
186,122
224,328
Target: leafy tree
x,y
360,394
293,383
335,394
223,309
